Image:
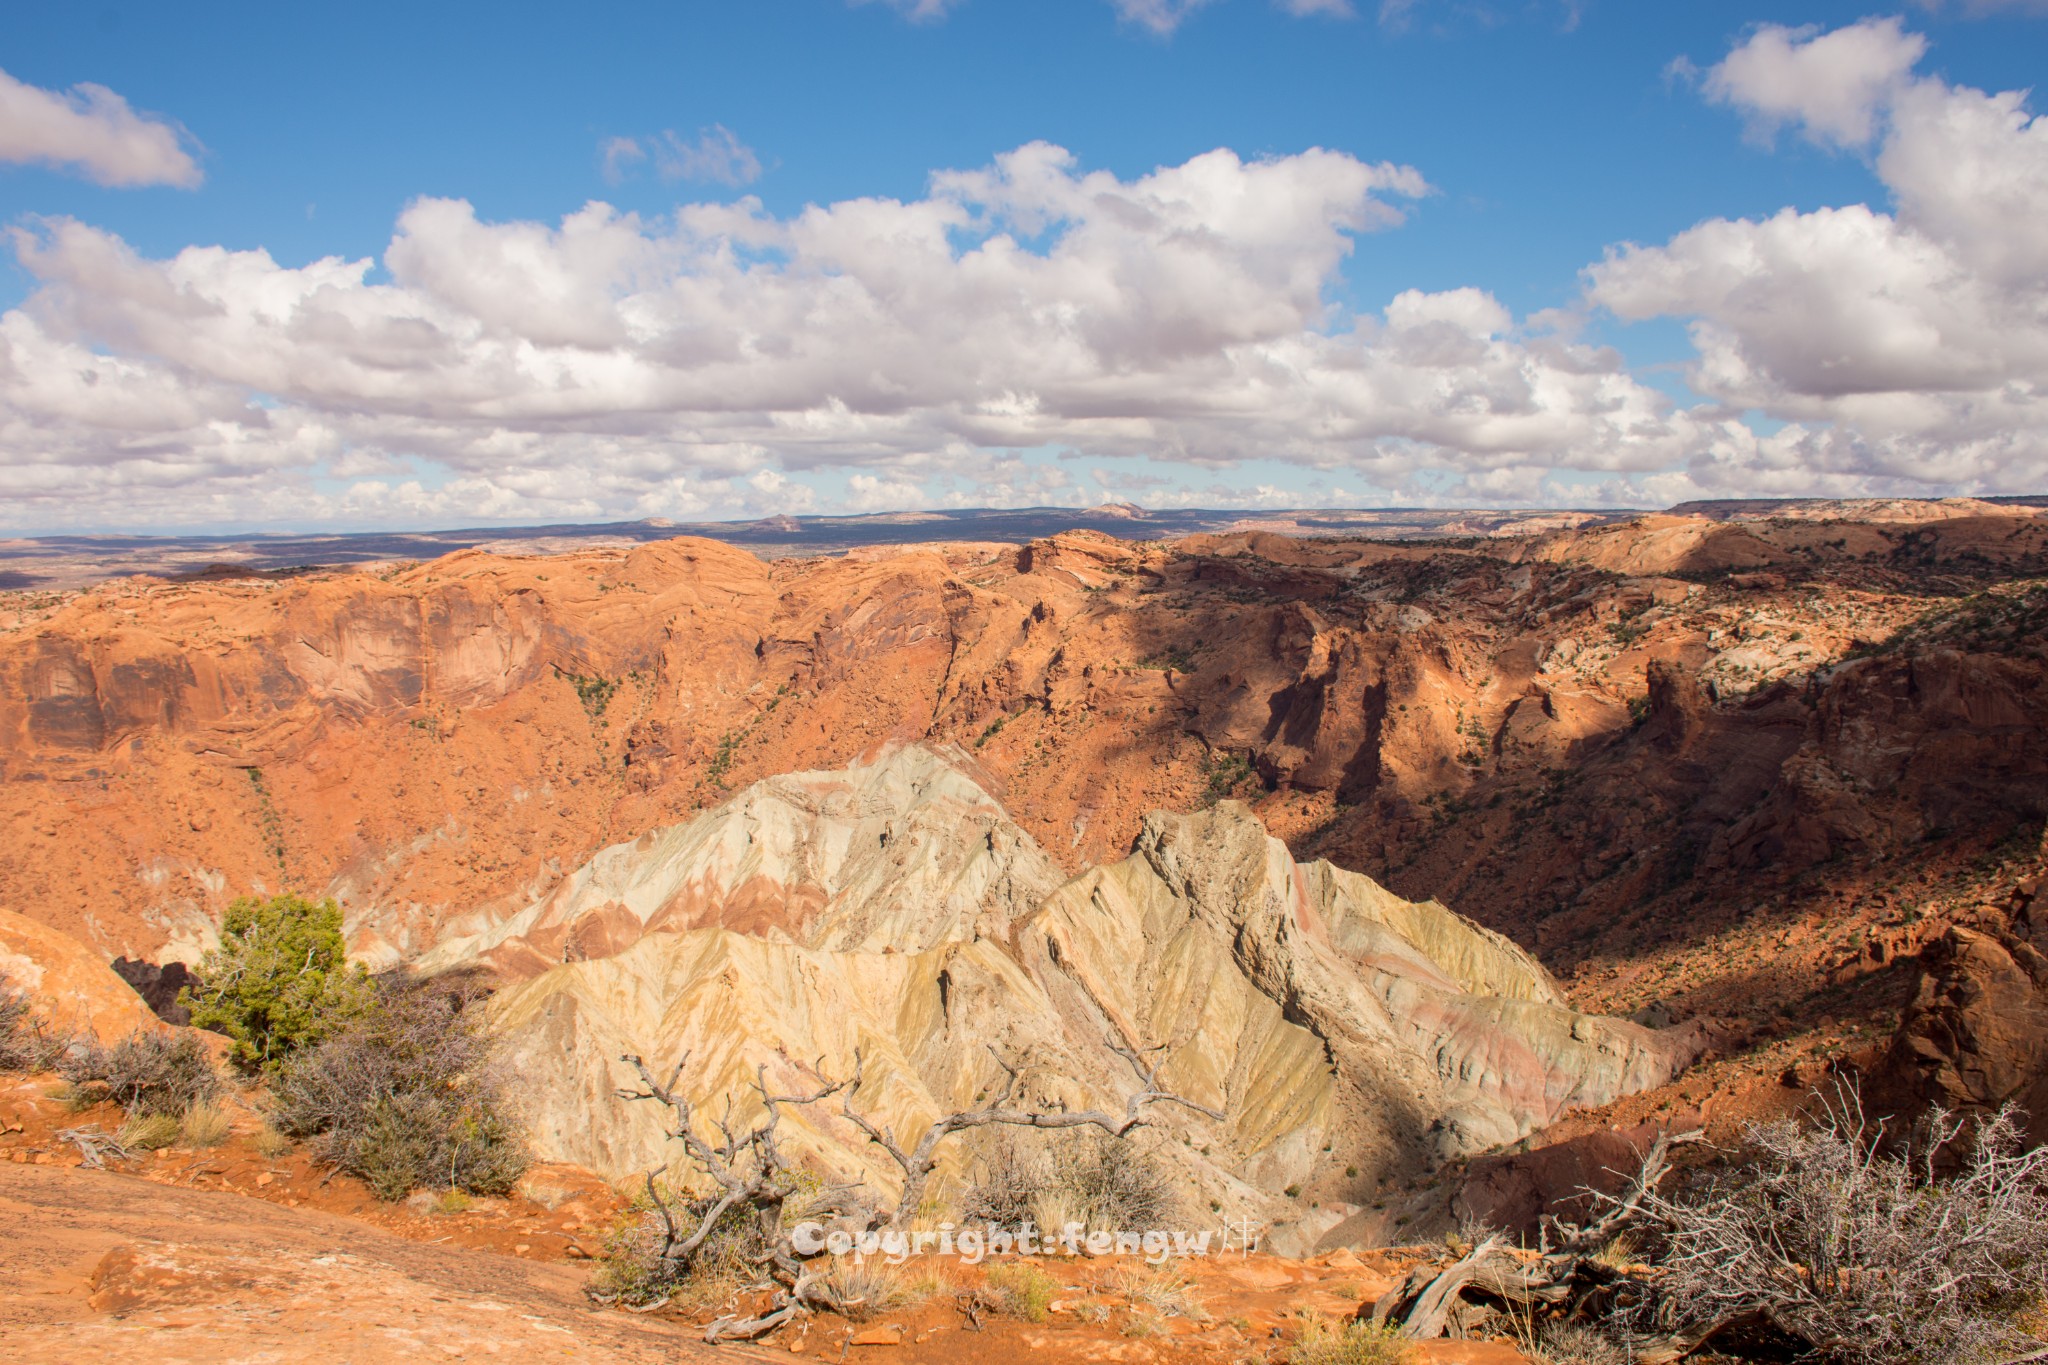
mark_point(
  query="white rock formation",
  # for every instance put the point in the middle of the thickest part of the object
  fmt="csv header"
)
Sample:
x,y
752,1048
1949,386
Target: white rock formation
x,y
893,909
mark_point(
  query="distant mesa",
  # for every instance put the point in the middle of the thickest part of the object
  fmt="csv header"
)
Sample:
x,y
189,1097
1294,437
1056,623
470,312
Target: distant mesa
x,y
76,561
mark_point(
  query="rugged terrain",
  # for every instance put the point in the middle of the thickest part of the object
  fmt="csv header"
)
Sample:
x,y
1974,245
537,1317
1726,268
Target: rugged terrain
x,y
890,917
1613,744
1772,781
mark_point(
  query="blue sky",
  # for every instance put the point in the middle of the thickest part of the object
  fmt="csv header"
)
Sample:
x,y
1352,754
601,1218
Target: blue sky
x,y
1547,134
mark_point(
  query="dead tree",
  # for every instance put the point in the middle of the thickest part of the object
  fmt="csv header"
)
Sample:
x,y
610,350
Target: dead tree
x,y
1620,1212
918,1163
1436,1300
95,1147
752,1177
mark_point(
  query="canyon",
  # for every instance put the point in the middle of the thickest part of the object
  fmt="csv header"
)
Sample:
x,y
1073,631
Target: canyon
x,y
1423,856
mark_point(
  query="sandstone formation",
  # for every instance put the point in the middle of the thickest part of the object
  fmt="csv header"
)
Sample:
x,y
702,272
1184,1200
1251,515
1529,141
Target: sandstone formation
x,y
1976,1035
71,987
1333,1024
428,741
906,853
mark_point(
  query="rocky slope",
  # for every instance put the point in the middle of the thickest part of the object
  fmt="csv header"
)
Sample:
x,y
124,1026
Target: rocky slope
x,y
430,740
1348,1037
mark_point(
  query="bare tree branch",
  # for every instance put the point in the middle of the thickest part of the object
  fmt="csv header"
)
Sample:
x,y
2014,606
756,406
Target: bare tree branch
x,y
917,1164
747,1167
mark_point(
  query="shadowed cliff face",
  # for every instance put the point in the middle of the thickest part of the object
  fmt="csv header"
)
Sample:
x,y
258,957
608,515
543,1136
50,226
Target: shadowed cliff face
x,y
1348,1038
1600,741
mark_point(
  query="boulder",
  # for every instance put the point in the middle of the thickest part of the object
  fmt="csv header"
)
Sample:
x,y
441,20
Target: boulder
x,y
1976,1035
73,989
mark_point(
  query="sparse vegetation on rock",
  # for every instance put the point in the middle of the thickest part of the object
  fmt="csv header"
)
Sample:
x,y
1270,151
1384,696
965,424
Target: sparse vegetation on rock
x,y
26,1042
755,1193
1318,1341
1934,1252
406,1094
1098,1181
1829,1241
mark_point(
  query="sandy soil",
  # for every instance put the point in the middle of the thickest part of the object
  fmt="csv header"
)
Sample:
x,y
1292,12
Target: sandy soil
x,y
104,1267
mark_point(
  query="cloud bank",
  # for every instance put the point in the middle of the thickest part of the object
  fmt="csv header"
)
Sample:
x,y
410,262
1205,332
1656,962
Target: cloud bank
x,y
1030,325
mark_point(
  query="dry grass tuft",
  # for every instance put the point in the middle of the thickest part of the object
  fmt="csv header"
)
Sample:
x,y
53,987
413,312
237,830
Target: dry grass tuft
x,y
1317,1341
205,1125
149,1132
1022,1290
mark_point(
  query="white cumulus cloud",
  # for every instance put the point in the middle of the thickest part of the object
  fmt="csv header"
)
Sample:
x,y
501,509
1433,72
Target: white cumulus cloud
x,y
1832,85
91,130
1904,347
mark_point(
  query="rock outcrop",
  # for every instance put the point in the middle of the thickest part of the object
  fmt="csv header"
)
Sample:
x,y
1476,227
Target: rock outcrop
x,y
906,853
1723,765
1976,1035
1333,1024
70,987
427,741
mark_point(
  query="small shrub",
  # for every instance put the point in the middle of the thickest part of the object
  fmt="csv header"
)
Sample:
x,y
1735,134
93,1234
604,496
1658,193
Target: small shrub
x,y
144,1073
1121,1187
1932,1253
1008,1180
1022,1289
452,1202
1101,1182
205,1125
632,1271
407,1095
280,980
1144,1323
26,1044
1317,1342
271,1144
149,1132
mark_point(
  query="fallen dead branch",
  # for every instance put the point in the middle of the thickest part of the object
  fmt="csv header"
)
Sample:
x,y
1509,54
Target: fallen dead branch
x,y
95,1146
1482,1288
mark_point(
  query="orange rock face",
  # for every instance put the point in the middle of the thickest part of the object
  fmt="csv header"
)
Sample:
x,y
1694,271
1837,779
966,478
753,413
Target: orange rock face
x,y
72,988
1583,736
